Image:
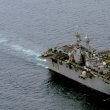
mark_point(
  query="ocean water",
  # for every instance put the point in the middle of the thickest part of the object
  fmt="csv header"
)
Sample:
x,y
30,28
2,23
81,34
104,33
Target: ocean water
x,y
29,27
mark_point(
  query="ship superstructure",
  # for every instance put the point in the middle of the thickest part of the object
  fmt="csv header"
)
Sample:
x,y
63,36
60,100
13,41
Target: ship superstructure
x,y
81,63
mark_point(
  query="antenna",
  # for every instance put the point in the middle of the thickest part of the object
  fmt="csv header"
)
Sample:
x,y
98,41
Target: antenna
x,y
78,37
87,40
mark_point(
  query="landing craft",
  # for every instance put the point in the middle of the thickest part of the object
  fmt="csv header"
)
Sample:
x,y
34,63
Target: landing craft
x,y
81,63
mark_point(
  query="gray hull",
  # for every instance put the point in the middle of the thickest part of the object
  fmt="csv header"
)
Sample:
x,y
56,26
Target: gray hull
x,y
97,82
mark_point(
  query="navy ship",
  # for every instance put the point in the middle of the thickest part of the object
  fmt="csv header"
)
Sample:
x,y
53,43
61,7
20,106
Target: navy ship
x,y
81,63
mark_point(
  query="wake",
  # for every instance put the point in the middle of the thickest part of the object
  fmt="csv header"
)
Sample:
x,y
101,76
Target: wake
x,y
30,53
25,51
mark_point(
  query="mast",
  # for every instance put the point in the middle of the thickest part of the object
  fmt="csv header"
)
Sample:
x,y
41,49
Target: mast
x,y
87,41
78,38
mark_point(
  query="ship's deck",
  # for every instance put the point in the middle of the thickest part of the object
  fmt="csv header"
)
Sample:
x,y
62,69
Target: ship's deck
x,y
61,53
105,56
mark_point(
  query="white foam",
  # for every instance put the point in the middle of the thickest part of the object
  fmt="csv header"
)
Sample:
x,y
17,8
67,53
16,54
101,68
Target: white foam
x,y
25,51
30,52
39,64
2,40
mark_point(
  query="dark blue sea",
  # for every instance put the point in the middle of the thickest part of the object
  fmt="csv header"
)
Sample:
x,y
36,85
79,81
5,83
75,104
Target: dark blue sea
x,y
29,27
